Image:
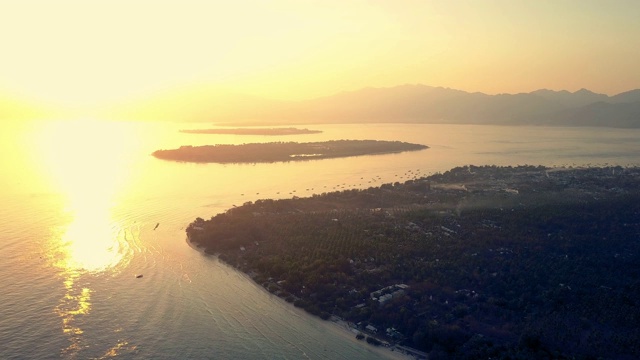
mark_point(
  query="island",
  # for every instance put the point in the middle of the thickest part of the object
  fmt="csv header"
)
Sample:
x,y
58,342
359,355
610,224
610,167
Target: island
x,y
284,151
478,262
253,131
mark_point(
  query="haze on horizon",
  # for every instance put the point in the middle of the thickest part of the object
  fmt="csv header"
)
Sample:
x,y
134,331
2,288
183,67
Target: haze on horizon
x,y
90,55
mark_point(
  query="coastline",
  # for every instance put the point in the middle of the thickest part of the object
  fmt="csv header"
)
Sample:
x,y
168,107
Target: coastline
x,y
341,328
336,326
349,253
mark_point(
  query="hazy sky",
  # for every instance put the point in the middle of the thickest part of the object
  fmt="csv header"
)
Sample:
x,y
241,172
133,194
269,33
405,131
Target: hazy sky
x,y
88,52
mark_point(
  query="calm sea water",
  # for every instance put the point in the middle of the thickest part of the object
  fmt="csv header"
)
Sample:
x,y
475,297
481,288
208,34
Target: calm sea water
x,y
86,210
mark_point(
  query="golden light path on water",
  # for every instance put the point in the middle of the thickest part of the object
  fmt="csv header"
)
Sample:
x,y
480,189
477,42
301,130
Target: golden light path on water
x,y
84,162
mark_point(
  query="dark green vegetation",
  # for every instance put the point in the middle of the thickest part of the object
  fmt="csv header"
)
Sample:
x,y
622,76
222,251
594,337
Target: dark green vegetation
x,y
253,131
284,151
478,262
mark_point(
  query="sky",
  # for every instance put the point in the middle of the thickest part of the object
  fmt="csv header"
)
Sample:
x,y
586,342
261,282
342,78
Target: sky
x,y
94,52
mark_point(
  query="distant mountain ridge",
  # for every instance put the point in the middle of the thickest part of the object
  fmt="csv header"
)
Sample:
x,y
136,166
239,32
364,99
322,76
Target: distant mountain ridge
x,y
413,104
425,104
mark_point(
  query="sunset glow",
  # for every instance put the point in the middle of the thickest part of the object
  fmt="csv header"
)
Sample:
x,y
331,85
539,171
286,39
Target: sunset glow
x,y
87,170
320,179
89,56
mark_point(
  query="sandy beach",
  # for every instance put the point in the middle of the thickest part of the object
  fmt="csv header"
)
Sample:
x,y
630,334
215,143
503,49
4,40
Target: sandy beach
x,y
342,328
339,327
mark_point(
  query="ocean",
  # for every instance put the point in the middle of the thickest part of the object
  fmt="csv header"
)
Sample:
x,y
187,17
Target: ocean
x,y
95,262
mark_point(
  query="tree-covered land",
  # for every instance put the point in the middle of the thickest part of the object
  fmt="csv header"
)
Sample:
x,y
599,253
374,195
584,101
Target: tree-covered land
x,y
284,151
253,131
478,262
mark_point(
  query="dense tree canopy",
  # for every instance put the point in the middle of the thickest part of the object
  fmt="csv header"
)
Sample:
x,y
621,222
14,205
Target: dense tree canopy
x,y
284,151
496,262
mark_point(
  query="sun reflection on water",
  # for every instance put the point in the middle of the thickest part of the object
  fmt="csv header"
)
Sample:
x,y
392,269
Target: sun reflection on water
x,y
85,162
91,244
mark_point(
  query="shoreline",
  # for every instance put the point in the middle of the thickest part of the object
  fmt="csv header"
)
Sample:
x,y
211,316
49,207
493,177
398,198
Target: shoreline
x,y
339,327
349,254
342,328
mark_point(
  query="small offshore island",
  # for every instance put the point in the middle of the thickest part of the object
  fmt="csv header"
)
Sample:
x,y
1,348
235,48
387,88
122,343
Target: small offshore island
x,y
253,131
520,262
284,151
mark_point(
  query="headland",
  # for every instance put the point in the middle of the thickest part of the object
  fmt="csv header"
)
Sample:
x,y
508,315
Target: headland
x,y
477,262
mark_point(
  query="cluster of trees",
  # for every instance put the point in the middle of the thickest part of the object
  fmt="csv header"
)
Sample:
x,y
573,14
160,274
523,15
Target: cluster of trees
x,y
541,273
284,151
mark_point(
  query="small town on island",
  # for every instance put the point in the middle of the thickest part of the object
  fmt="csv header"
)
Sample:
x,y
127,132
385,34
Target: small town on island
x,y
525,262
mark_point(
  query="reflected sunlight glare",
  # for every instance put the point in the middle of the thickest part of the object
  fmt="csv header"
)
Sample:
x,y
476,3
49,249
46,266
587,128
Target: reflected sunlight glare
x,y
91,243
74,303
84,161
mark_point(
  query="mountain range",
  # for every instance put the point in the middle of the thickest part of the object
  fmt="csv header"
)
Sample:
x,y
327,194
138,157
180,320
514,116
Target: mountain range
x,y
426,104
399,104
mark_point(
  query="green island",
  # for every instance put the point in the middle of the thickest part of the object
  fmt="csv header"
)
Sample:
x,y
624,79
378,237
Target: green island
x,y
284,151
522,262
253,131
